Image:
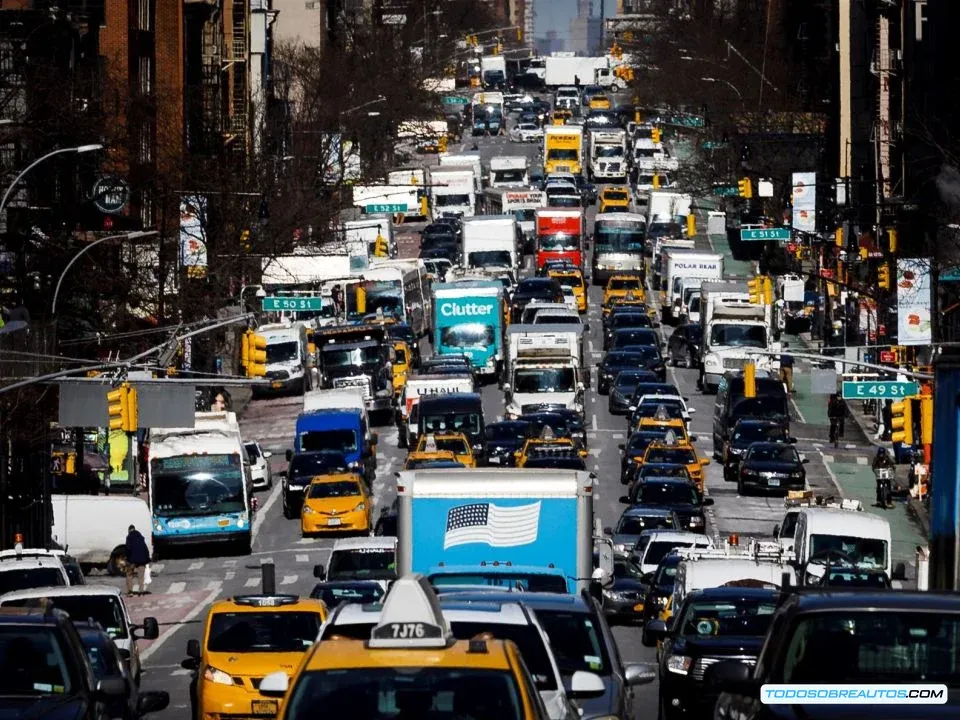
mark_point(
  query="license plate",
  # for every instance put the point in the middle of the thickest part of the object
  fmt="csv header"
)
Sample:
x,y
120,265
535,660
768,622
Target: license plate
x,y
264,707
638,607
276,385
223,523
772,482
495,460
334,521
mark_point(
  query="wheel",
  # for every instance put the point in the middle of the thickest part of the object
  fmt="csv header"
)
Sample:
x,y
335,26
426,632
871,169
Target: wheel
x,y
741,488
287,511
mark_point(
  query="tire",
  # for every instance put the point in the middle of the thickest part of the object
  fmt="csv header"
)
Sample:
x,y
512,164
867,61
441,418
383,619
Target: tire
x,y
287,512
741,489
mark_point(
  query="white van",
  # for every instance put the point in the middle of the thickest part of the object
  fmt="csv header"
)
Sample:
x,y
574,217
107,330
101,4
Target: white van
x,y
839,536
653,547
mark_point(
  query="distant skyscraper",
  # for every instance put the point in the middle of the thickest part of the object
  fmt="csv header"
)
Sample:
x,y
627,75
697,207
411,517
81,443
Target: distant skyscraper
x,y
586,31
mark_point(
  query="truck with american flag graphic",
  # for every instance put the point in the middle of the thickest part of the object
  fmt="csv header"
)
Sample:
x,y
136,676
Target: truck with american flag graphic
x,y
511,528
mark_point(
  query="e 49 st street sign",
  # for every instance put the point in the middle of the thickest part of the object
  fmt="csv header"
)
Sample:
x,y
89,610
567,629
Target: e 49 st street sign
x,y
879,390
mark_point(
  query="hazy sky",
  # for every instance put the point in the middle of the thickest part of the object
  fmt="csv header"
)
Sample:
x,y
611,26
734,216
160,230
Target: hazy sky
x,y
556,15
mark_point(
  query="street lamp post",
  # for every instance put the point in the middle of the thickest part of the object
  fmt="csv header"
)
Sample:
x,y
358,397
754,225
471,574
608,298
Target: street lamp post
x,y
261,293
137,235
31,166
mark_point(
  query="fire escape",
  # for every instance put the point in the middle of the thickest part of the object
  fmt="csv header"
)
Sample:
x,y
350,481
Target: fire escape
x,y
237,126
888,123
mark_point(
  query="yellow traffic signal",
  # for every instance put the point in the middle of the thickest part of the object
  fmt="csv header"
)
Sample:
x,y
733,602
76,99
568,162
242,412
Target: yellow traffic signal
x,y
838,237
424,206
892,240
902,421
883,276
745,188
749,380
519,35
768,290
755,288
656,135
926,420
380,248
656,181
442,145
253,354
122,408
691,225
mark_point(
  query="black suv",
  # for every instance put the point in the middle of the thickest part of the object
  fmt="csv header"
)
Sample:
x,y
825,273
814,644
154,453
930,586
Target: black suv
x,y
745,432
46,674
830,637
710,626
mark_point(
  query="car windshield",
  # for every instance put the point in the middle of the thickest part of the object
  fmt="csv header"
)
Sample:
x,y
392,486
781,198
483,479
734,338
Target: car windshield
x,y
573,462
363,564
105,610
627,569
636,524
576,641
465,422
871,552
29,577
283,352
641,439
332,595
658,550
35,663
751,433
559,241
630,320
501,432
655,470
349,357
340,441
544,380
253,451
316,463
243,632
666,576
437,693
767,453
660,410
623,359
335,489
102,659
624,284
197,485
844,577
626,382
636,336
667,494
874,646
618,238
739,617
683,456
572,281
469,335
455,445
762,407
738,336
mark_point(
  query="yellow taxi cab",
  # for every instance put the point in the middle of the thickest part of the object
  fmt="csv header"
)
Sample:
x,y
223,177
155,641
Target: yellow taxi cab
x,y
455,443
335,503
425,459
600,102
411,663
560,117
678,426
636,300
573,278
244,639
680,452
622,286
547,443
401,365
614,199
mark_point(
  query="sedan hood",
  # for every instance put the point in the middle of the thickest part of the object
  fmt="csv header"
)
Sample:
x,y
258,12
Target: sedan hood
x,y
51,707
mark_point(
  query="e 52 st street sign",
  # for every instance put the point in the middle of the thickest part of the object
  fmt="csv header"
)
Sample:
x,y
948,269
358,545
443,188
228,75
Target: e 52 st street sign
x,y
762,234
389,208
294,304
879,390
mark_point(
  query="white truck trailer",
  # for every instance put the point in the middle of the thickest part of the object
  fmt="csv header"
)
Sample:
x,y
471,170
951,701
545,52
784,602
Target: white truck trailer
x,y
452,190
490,241
608,156
544,367
509,171
683,269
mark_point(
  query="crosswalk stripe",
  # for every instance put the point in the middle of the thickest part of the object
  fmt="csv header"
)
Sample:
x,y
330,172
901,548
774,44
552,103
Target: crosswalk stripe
x,y
176,588
229,575
302,557
252,582
181,671
214,584
156,567
230,563
195,566
863,461
288,580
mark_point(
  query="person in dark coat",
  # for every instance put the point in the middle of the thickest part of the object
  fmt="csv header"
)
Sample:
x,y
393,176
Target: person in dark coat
x,y
138,557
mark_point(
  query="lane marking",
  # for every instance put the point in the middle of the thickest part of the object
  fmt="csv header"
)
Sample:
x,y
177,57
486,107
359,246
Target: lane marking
x,y
196,610
264,509
230,563
863,461
252,582
289,579
302,557
176,588
180,672
195,566
593,423
830,474
214,585
229,575
799,414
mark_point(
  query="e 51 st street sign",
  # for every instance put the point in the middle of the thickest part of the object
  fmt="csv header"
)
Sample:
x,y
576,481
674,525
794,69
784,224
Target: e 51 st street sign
x,y
879,390
763,234
294,304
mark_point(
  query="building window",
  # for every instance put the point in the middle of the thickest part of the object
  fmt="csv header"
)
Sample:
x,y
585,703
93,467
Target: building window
x,y
145,154
145,15
146,208
145,72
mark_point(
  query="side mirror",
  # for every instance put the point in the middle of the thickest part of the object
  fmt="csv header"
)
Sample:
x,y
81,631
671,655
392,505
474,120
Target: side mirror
x,y
581,387
707,502
657,629
152,701
374,438
267,454
289,455
275,684
621,446
632,408
193,649
190,664
124,653
608,530
694,438
150,629
691,411
792,441
899,572
730,676
647,578
639,673
319,571
582,684
111,686
805,461
776,530
624,499
506,387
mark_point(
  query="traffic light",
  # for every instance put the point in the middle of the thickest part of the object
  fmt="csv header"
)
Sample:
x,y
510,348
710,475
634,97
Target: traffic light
x,y
691,225
253,354
749,380
892,240
519,35
442,145
122,408
380,248
768,290
424,205
745,188
926,419
883,276
755,287
902,421
656,135
838,237
656,181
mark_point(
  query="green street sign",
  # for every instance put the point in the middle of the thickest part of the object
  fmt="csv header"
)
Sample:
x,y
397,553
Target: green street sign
x,y
390,208
762,234
292,304
454,100
710,145
879,390
726,191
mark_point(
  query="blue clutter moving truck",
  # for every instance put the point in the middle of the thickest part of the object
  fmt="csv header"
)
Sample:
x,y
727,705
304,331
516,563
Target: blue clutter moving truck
x,y
526,529
468,320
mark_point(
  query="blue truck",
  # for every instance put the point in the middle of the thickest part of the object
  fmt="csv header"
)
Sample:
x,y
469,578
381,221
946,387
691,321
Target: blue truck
x,y
523,529
468,320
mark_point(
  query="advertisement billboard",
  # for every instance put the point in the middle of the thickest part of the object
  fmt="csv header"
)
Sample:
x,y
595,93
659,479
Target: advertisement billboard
x,y
804,200
914,299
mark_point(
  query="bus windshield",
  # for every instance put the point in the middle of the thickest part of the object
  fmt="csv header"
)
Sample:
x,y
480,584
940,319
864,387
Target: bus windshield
x,y
618,239
197,485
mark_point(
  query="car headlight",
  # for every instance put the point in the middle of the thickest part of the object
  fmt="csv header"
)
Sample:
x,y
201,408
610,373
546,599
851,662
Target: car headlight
x,y
212,674
612,595
578,407
696,521
361,506
796,476
711,361
662,601
679,664
748,471
307,510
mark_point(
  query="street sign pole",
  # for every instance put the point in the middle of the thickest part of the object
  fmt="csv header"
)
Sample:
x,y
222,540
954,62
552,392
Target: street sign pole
x,y
945,475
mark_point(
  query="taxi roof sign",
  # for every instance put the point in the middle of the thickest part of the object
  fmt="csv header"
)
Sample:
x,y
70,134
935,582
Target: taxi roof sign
x,y
411,617
430,444
547,433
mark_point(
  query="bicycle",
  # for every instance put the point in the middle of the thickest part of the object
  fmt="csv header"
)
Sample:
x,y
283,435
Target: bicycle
x,y
836,430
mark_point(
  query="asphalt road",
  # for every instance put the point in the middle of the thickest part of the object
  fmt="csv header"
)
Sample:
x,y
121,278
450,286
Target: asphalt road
x,y
182,589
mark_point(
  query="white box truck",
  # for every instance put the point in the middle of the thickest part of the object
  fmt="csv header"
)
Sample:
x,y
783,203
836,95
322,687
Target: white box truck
x,y
459,161
452,191
608,156
490,241
509,171
684,268
544,367
575,70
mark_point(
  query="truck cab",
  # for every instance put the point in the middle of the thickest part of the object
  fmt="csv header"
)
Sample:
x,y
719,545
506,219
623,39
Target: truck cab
x,y
291,366
545,367
358,356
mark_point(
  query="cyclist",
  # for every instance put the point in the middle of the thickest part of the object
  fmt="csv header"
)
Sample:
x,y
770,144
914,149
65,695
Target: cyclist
x,y
836,411
882,462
